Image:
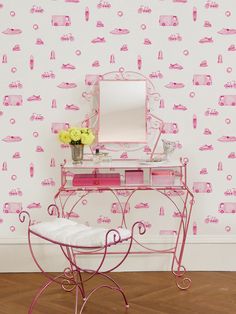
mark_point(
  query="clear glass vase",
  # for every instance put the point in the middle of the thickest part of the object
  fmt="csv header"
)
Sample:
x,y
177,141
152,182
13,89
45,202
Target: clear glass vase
x,y
77,153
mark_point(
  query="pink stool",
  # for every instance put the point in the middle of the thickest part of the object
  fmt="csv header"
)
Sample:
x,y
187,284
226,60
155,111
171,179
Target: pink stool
x,y
74,240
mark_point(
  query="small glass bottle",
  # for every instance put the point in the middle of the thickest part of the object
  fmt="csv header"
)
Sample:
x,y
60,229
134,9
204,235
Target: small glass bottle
x,y
96,156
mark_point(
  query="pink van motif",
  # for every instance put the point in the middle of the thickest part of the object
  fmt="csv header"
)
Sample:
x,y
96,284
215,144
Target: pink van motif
x,y
12,208
60,20
12,31
202,79
227,100
227,139
119,31
67,85
16,84
56,127
12,100
202,187
227,208
168,20
170,128
12,139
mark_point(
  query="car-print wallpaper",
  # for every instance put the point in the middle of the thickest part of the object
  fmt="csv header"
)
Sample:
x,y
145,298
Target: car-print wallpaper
x,y
186,48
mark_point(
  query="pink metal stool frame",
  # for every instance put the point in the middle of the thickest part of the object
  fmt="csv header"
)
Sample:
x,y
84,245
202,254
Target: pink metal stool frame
x,y
72,276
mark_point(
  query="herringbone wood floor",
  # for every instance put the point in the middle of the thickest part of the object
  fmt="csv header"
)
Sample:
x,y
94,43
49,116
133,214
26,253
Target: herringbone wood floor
x,y
147,293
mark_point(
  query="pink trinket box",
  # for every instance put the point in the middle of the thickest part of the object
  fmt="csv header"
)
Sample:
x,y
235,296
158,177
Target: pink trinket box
x,y
134,177
90,179
163,177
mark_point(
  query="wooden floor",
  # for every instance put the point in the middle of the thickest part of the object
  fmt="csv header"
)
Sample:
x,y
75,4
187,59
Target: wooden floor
x,y
147,293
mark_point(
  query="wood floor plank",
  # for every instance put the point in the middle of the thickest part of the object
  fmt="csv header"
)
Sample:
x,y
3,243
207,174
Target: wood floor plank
x,y
147,293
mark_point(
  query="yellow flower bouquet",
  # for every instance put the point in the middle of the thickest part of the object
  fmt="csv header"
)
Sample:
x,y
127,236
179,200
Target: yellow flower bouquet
x,y
77,136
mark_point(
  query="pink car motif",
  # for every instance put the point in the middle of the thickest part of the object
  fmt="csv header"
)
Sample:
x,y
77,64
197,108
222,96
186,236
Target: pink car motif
x,y
98,40
168,232
206,147
202,79
230,192
170,128
68,66
227,207
179,215
175,66
16,48
227,139
12,139
60,20
175,37
36,9
211,112
203,171
207,131
117,209
34,205
71,107
103,219
211,219
202,187
36,117
205,40
157,74
168,20
144,9
67,37
103,4
12,100
124,155
16,84
34,98
49,74
72,215
119,31
211,4
124,193
141,205
232,48
179,107
227,100
174,193
48,182
12,208
15,192
174,85
56,127
207,24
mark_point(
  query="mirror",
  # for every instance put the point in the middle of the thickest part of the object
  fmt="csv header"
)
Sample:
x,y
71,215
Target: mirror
x,y
122,111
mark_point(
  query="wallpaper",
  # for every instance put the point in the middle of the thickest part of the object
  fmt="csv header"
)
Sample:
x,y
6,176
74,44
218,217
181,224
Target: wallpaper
x,y
186,48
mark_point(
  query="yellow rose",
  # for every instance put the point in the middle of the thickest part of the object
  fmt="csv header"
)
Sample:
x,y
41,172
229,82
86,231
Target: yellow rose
x,y
87,138
75,134
64,137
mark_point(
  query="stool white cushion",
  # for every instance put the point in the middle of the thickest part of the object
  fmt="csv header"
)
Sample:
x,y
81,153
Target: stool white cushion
x,y
68,232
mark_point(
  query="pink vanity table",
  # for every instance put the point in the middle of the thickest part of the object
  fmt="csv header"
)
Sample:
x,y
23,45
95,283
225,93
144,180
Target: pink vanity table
x,y
130,176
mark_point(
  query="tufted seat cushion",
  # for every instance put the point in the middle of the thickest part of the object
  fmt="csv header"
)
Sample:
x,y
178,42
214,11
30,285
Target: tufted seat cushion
x,y
68,232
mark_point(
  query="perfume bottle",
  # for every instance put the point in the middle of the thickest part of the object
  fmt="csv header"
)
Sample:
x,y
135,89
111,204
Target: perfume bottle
x,y
97,156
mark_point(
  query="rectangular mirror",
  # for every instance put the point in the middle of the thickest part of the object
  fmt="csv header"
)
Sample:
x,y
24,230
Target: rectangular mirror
x,y
122,111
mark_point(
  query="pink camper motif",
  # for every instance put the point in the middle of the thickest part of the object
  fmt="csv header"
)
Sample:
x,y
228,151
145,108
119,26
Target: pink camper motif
x,y
202,79
58,126
168,20
12,100
118,208
202,187
227,100
60,20
170,128
12,208
227,208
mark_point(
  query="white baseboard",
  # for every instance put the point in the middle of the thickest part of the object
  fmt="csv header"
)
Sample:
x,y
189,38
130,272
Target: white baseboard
x,y
198,256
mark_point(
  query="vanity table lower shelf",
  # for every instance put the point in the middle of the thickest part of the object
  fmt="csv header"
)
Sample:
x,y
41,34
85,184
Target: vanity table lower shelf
x,y
126,178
